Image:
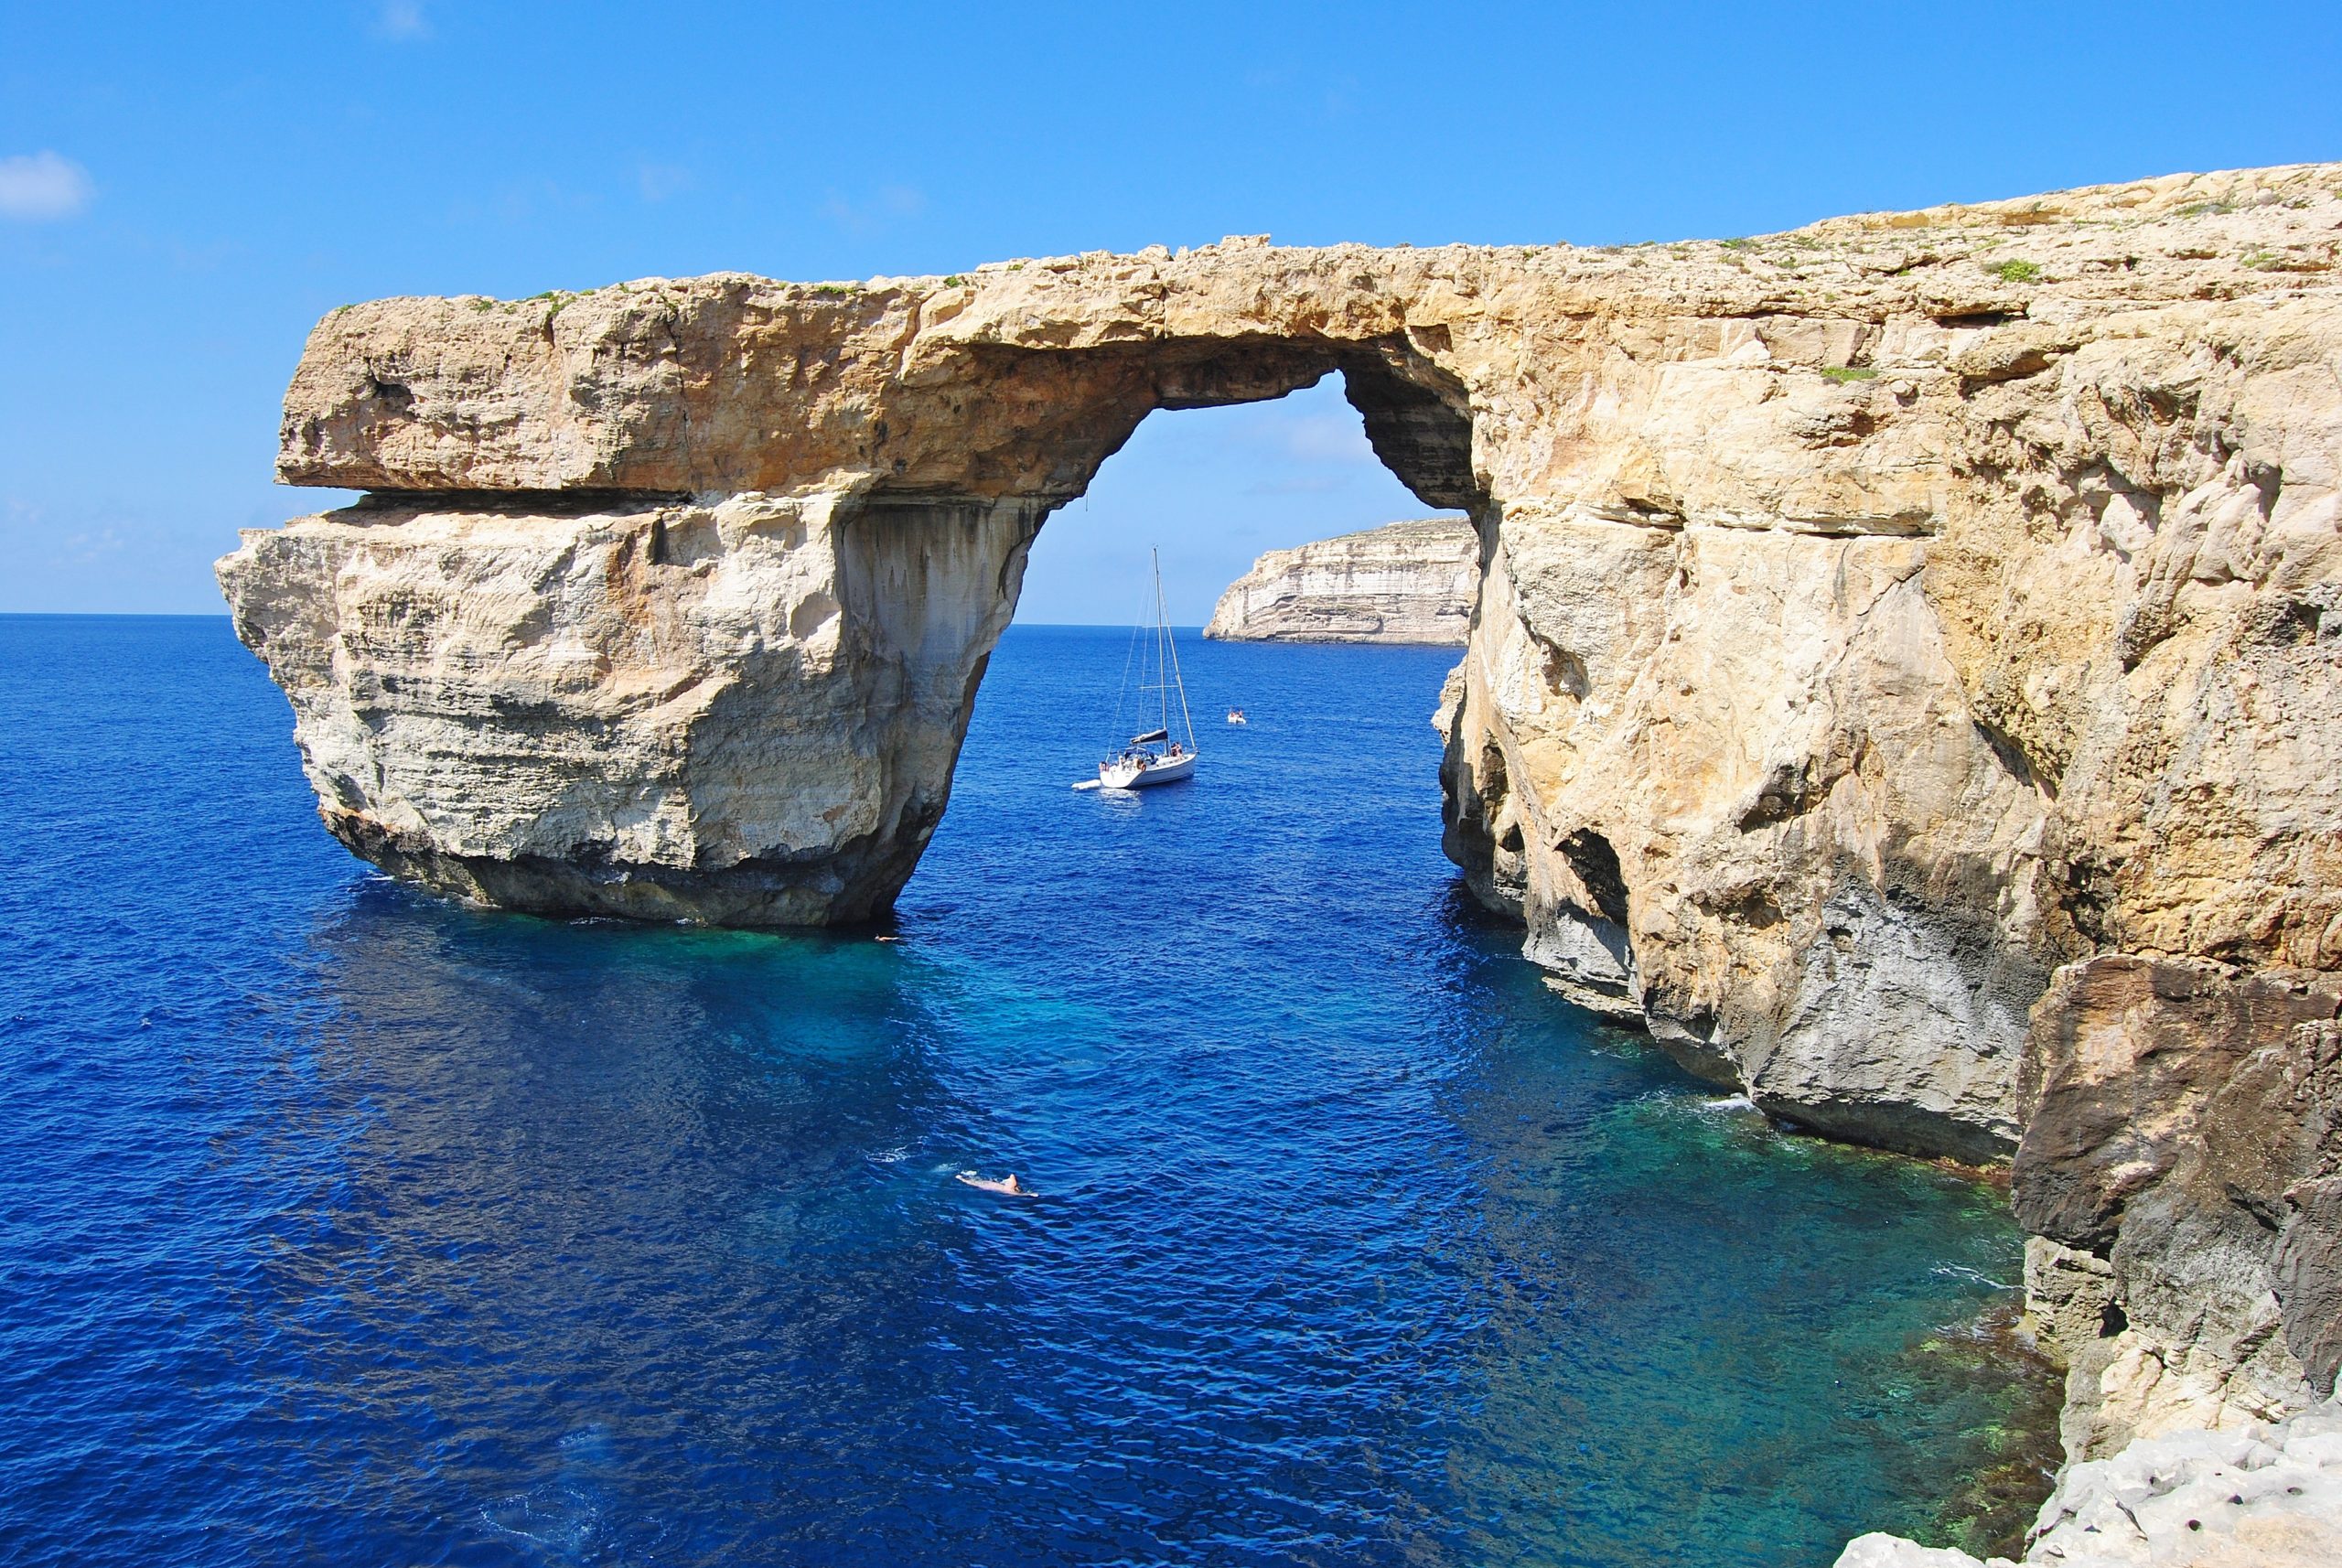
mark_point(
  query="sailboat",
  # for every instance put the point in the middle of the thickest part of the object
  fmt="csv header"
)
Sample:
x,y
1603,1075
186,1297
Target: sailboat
x,y
1152,757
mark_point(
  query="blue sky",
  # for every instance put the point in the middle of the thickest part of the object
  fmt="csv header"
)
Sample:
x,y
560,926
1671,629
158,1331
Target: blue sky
x,y
183,190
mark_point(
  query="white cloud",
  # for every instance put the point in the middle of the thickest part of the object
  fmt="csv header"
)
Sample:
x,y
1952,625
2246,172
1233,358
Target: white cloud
x,y
401,20
89,547
37,188
660,181
1328,438
890,203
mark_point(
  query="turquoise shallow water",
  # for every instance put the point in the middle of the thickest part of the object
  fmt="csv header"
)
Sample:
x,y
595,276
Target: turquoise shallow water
x,y
344,1225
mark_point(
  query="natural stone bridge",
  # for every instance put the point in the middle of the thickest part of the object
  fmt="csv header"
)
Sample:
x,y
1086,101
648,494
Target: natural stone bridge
x,y
1875,619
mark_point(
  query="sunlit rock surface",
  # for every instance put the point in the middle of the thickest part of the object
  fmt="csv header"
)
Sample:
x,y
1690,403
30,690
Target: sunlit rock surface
x,y
2257,1496
1404,582
1876,619
727,709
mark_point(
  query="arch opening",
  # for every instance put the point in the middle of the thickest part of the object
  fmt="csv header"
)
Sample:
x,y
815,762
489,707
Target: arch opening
x,y
1051,419
930,577
1217,484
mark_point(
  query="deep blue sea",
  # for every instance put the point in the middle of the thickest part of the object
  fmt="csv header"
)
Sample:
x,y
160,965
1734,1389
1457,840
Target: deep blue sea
x,y
340,1224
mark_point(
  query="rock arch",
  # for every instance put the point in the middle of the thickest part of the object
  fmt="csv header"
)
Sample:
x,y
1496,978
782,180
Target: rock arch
x,y
1875,619
709,570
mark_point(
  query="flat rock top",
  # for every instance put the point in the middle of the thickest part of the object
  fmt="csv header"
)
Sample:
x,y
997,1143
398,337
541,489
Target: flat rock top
x,y
1425,533
737,381
1433,541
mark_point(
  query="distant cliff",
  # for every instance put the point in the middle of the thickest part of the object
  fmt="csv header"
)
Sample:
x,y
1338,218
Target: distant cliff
x,y
1405,582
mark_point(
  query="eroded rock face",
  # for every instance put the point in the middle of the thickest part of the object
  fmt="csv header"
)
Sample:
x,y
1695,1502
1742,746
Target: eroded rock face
x,y
1732,780
1875,619
1404,582
2181,1159
1863,690
743,709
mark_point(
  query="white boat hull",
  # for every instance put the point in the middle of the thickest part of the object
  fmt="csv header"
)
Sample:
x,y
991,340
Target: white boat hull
x,y
1143,775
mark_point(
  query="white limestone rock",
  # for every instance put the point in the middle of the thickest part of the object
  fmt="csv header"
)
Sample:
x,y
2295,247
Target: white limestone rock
x,y
1404,582
740,712
2262,1497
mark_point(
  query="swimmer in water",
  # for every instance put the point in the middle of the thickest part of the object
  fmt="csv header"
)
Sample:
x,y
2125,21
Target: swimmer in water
x,y
1008,1185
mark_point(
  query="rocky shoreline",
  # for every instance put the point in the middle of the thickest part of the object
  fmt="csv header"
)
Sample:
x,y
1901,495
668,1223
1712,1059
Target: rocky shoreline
x,y
2247,1496
1905,673
1404,582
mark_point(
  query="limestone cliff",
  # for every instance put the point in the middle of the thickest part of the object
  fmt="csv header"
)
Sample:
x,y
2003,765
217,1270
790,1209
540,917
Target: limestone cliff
x,y
1404,582
1895,637
726,709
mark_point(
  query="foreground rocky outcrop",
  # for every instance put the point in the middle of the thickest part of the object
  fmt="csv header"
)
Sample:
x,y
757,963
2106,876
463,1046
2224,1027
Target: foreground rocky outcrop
x,y
1404,582
730,709
2257,1496
2181,1171
1905,672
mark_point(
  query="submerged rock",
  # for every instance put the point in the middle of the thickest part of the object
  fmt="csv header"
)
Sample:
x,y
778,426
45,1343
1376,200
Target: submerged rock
x,y
1404,582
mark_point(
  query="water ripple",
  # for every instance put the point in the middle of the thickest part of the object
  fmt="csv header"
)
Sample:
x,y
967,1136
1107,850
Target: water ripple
x,y
346,1225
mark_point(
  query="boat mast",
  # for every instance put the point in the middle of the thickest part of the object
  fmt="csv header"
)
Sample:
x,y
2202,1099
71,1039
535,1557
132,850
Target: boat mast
x,y
1163,643
1171,646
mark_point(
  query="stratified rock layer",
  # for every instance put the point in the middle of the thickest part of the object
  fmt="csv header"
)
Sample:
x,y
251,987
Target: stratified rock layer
x,y
1895,639
1404,582
728,710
